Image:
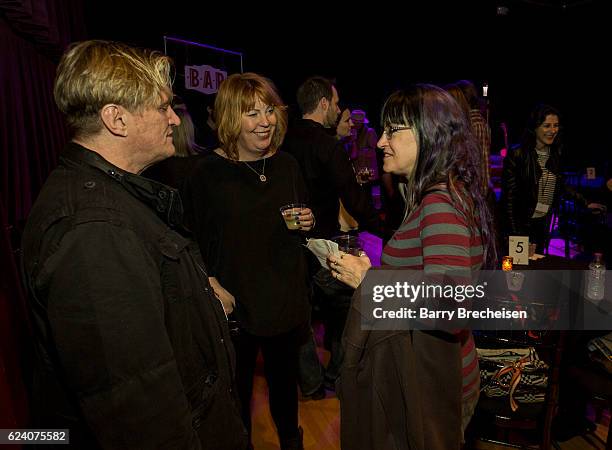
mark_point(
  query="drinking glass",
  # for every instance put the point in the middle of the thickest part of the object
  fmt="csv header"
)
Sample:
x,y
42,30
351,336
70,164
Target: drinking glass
x,y
291,213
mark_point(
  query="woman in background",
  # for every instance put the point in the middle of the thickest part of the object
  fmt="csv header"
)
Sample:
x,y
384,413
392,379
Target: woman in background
x,y
174,171
345,125
532,182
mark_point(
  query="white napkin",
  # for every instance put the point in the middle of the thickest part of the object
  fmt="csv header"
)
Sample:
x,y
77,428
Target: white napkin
x,y
321,248
536,256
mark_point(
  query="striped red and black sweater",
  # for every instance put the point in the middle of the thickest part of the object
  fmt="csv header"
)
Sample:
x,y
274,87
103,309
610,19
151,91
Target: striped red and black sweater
x,y
437,238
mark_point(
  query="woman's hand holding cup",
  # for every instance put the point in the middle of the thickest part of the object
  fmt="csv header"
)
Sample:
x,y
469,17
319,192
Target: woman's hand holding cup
x,y
306,219
349,269
298,216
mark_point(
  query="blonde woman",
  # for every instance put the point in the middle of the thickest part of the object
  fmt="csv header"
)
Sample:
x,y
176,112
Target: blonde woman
x,y
257,265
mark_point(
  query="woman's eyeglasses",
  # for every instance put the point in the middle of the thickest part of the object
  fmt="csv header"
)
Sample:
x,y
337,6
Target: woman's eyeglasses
x,y
389,131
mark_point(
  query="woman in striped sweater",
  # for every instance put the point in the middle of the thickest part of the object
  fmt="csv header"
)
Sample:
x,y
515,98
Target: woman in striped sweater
x,y
447,228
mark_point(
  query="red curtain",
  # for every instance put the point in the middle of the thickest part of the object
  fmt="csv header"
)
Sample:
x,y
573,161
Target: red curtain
x,y
14,339
33,34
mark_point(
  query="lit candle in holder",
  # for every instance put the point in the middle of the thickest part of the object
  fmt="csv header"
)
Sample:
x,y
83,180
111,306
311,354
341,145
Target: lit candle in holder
x,y
507,263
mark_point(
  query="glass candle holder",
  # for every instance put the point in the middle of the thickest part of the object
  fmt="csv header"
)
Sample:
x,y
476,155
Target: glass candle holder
x,y
507,263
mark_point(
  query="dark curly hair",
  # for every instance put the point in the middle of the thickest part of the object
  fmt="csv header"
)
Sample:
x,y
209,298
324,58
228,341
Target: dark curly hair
x,y
528,140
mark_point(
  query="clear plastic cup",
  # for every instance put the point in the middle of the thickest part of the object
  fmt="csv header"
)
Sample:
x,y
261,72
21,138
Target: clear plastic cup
x,y
290,214
350,244
363,175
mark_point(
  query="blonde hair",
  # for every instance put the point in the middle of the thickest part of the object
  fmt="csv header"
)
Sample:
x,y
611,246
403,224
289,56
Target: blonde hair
x,y
237,95
95,73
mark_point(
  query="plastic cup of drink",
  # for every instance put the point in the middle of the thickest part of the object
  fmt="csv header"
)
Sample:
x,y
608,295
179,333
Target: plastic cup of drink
x,y
362,176
290,214
350,244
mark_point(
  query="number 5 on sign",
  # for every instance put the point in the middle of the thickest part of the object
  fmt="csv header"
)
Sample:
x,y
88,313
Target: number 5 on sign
x,y
519,249
590,173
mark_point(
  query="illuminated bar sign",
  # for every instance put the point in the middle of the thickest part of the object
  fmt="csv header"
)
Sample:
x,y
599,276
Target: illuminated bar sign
x,y
200,70
205,79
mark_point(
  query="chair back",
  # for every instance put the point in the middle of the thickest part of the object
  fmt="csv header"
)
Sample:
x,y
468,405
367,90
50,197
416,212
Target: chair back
x,y
523,400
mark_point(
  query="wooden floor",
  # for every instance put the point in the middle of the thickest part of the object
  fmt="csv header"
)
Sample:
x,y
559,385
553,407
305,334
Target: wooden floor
x,y
320,419
321,422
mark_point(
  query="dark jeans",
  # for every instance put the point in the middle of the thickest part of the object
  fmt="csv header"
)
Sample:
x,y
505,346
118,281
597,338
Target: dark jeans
x,y
335,300
539,232
280,355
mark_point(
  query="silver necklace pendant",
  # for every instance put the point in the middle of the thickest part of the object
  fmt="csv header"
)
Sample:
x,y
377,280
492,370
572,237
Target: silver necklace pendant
x,y
261,175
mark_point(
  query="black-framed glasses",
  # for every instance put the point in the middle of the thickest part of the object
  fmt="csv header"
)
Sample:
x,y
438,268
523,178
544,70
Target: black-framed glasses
x,y
390,131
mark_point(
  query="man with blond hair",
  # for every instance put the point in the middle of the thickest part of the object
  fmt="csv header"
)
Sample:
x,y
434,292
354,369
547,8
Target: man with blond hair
x,y
132,347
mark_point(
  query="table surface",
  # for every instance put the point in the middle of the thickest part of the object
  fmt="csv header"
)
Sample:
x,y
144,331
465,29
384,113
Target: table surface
x,y
552,262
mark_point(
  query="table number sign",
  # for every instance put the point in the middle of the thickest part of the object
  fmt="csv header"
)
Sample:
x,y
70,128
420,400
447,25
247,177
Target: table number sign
x,y
590,173
519,249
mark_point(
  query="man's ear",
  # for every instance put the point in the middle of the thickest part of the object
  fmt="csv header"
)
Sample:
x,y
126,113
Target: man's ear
x,y
114,118
324,103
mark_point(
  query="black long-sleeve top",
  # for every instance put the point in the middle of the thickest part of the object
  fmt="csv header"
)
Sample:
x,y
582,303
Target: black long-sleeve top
x,y
329,176
245,242
172,171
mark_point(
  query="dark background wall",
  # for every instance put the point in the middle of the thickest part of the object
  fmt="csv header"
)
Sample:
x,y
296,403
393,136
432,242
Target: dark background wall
x,y
538,51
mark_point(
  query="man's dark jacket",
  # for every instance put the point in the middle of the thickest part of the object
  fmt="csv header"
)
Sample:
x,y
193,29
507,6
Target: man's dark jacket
x,y
132,347
329,176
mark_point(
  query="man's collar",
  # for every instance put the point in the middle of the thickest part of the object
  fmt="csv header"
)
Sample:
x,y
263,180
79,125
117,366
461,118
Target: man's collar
x,y
311,123
165,200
